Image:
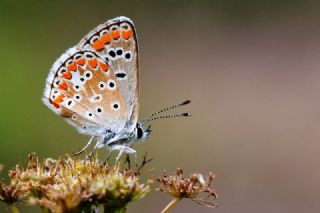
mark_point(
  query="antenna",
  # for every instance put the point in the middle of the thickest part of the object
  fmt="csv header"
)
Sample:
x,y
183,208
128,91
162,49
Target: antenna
x,y
148,118
186,114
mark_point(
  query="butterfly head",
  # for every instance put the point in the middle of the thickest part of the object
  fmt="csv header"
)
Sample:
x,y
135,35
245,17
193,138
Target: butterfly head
x,y
142,133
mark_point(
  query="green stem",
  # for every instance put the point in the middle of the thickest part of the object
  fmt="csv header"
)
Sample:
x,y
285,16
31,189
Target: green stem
x,y
14,209
171,204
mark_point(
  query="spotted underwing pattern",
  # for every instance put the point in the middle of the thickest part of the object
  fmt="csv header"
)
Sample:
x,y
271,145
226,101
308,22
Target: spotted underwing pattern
x,y
95,84
95,87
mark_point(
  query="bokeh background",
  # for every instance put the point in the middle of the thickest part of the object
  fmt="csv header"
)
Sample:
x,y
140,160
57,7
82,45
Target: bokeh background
x,y
251,68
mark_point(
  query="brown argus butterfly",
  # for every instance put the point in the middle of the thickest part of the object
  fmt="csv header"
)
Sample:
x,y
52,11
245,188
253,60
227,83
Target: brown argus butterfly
x,y
95,87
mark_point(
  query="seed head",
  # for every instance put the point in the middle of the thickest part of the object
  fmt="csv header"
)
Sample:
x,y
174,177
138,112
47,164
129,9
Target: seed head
x,y
191,188
70,184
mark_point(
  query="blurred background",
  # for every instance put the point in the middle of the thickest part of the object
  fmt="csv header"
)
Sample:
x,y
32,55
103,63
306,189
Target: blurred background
x,y
251,69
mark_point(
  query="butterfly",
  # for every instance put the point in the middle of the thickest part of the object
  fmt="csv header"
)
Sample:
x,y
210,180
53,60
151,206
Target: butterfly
x,y
94,86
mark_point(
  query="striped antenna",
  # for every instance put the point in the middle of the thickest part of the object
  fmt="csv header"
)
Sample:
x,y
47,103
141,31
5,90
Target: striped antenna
x,y
146,119
187,114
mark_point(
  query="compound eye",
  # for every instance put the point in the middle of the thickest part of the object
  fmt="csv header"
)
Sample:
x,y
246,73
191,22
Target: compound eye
x,y
139,132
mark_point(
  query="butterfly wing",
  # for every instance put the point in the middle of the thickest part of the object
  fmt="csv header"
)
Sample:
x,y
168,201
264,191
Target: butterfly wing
x,y
115,41
82,88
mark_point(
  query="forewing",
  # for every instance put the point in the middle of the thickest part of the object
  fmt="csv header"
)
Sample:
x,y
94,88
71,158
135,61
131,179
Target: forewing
x,y
82,88
116,42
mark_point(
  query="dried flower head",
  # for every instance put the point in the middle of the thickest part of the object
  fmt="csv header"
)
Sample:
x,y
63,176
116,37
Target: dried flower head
x,y
71,184
192,188
13,192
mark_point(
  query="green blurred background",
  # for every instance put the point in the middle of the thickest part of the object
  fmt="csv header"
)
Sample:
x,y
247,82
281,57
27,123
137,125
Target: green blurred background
x,y
251,69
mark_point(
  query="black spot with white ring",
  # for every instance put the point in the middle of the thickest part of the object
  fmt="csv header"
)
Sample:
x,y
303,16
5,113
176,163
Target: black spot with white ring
x,y
121,75
103,32
112,53
62,70
77,88
124,26
89,114
69,62
57,82
74,117
102,85
88,55
113,28
77,97
87,75
77,56
111,84
93,39
99,110
54,94
127,56
119,52
115,106
70,102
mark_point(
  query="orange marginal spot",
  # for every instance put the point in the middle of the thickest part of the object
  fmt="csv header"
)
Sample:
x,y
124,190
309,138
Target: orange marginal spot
x,y
98,45
81,61
93,63
67,75
115,34
72,67
126,34
63,86
106,39
58,100
104,67
56,105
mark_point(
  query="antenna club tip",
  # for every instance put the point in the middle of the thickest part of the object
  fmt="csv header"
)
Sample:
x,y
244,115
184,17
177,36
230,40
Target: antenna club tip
x,y
186,102
187,114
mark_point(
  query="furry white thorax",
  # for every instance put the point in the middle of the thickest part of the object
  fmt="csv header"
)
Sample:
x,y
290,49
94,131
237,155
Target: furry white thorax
x,y
111,139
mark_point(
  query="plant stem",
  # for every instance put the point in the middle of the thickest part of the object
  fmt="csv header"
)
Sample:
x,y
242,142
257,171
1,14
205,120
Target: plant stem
x,y
14,209
171,204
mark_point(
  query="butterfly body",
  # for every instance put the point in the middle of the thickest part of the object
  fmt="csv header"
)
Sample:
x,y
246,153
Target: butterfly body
x,y
95,86
110,139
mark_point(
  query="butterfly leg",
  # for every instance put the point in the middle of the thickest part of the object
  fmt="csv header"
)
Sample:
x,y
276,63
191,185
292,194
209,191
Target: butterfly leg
x,y
123,149
119,155
109,155
104,140
85,147
132,151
